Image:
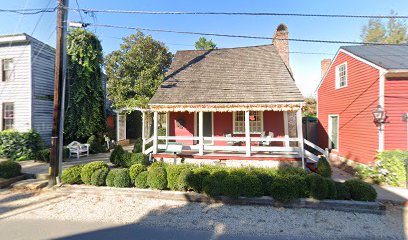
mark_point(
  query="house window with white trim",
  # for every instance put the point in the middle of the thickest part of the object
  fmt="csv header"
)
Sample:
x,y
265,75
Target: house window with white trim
x,y
8,116
7,70
255,122
341,75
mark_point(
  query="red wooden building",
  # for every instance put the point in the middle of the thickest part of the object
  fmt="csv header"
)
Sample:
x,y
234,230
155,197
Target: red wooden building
x,y
360,83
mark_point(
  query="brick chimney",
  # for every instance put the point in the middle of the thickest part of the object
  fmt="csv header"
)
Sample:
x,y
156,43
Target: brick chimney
x,y
324,66
282,46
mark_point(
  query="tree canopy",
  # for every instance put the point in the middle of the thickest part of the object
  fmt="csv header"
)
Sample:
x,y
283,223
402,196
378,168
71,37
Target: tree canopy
x,y
310,107
393,31
136,70
84,114
204,44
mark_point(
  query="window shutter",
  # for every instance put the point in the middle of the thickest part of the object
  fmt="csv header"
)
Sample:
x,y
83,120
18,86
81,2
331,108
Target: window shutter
x,y
337,80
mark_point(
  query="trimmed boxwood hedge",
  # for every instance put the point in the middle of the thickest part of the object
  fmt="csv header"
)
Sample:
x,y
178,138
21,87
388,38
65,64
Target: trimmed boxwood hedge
x,y
9,169
173,172
135,170
98,178
251,186
287,188
118,178
324,168
343,191
318,187
157,178
90,168
196,178
72,175
331,189
183,180
361,191
141,180
211,185
231,186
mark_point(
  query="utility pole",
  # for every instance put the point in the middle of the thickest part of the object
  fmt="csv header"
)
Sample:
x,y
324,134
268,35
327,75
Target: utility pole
x,y
59,87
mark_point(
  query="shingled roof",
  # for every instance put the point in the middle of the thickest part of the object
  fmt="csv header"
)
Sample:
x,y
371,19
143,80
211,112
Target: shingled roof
x,y
231,75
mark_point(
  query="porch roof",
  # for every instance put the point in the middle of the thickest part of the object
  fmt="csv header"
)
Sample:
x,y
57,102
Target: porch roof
x,y
230,77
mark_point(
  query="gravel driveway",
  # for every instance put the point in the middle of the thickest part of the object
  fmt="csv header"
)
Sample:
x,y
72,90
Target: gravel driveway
x,y
122,206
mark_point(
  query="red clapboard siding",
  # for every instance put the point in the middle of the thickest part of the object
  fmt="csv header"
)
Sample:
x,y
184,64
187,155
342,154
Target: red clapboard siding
x,y
396,104
358,135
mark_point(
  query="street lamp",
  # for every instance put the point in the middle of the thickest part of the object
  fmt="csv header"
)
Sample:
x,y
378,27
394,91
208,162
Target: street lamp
x,y
379,114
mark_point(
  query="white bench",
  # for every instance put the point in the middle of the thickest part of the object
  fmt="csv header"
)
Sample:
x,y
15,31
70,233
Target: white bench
x,y
77,149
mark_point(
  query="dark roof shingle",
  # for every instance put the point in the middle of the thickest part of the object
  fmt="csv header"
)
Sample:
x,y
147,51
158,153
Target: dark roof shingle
x,y
232,75
385,56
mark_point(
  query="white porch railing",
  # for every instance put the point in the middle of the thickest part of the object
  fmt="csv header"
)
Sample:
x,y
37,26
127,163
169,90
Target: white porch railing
x,y
324,152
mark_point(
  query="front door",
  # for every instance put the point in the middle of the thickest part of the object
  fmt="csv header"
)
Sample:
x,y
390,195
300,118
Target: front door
x,y
333,131
207,126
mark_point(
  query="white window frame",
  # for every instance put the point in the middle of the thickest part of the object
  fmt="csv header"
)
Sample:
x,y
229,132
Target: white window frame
x,y
330,126
4,70
4,118
338,75
243,132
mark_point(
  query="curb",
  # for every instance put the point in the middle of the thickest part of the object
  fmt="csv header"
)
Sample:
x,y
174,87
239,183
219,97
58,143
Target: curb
x,y
338,205
7,182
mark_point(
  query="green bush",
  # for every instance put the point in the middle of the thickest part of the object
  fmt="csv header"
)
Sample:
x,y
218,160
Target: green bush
x,y
287,188
161,132
158,164
117,155
239,171
72,175
318,187
211,185
183,179
195,180
137,147
251,186
44,155
128,159
134,170
141,180
323,168
231,186
90,168
98,178
266,180
220,174
122,178
331,189
9,169
173,172
343,191
20,145
361,191
157,178
291,171
389,168
111,177
97,144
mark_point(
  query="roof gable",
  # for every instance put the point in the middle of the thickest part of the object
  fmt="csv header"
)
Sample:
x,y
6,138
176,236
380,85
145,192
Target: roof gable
x,y
232,75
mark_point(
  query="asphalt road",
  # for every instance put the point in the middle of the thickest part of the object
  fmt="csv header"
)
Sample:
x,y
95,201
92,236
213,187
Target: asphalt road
x,y
46,229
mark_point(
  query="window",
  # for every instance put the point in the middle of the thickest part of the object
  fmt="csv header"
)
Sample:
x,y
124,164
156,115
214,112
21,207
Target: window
x,y
334,132
255,122
7,70
341,75
8,116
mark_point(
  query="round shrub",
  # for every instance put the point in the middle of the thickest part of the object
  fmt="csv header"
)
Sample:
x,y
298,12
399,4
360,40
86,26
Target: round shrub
x,y
318,187
285,188
158,164
9,169
111,177
343,191
331,189
128,159
251,186
323,168
183,179
239,171
266,181
72,175
137,147
134,170
361,191
211,186
122,178
157,178
220,174
44,155
90,168
291,171
195,180
96,144
98,178
117,155
173,172
231,186
141,180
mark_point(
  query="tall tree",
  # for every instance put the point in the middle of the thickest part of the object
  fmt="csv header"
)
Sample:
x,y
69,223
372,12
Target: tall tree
x,y
310,107
136,70
204,44
394,31
84,115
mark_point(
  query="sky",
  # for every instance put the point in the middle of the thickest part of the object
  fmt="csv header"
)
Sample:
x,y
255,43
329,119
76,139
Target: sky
x,y
304,59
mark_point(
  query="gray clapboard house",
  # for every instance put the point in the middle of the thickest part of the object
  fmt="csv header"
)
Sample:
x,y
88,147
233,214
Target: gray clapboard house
x,y
26,84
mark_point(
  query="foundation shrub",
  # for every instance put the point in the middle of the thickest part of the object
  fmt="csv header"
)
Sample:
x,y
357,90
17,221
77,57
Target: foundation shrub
x,y
183,180
122,178
343,191
98,178
135,170
173,172
251,186
324,168
157,178
231,186
211,185
287,188
361,191
331,189
318,187
90,168
141,180
72,175
196,178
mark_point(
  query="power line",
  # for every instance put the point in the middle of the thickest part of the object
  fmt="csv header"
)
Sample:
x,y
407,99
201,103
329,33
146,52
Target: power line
x,y
235,13
80,14
31,11
240,36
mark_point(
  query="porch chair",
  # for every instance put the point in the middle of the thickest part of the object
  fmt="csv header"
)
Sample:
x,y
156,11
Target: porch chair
x,y
266,139
77,149
230,141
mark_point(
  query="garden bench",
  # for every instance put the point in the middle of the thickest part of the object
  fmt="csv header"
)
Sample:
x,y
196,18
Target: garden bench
x,y
77,149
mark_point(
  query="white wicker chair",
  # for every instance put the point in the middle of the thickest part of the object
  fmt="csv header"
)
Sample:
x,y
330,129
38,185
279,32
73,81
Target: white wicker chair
x,y
77,149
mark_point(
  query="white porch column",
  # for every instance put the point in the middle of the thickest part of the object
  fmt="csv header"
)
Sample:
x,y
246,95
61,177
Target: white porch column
x,y
167,126
155,141
200,134
286,127
300,136
143,131
247,135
